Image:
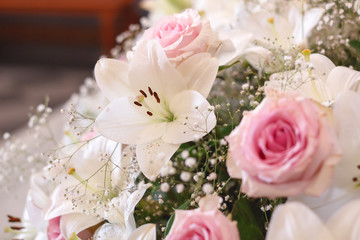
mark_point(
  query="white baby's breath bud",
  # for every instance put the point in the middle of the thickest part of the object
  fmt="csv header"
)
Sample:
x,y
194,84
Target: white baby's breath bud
x,y
190,162
172,171
164,187
196,138
223,142
196,178
161,201
207,188
179,188
211,108
212,176
185,154
212,161
185,176
6,136
40,108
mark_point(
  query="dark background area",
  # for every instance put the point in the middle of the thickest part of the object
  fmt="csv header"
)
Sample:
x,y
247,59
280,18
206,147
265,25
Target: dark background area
x,y
48,55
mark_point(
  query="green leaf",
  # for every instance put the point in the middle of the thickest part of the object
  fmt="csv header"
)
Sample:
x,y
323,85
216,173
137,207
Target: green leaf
x,y
171,219
250,219
355,44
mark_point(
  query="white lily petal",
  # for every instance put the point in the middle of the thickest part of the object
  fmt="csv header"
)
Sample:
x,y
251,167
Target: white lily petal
x,y
322,66
311,19
153,156
144,232
199,72
132,201
76,222
110,231
112,78
347,118
304,24
121,122
59,205
233,45
151,68
193,119
295,221
259,57
345,223
340,79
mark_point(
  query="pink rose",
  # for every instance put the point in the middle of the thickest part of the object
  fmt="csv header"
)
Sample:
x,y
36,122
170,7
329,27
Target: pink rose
x,y
183,35
54,232
53,229
286,146
206,222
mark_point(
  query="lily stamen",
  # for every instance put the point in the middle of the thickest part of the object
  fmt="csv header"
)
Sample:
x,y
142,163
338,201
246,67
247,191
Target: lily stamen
x,y
143,93
271,21
137,103
150,91
73,173
157,97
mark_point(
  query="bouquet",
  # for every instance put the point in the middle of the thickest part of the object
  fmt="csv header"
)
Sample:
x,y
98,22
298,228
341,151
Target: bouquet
x,y
210,120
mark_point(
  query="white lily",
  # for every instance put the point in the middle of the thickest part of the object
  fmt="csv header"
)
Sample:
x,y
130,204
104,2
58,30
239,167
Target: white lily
x,y
113,231
220,13
297,222
154,104
343,189
93,186
161,8
37,202
271,30
318,78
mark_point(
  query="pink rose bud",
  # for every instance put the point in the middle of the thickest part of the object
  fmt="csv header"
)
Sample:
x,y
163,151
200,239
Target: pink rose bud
x,y
53,229
206,222
286,146
183,35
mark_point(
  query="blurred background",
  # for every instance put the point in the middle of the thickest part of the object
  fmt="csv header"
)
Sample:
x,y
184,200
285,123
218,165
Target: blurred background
x,y
48,47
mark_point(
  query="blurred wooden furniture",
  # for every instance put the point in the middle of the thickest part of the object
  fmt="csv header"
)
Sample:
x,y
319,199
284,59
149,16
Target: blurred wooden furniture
x,y
106,11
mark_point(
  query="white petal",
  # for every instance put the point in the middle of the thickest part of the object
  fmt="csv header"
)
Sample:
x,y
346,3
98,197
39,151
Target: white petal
x,y
296,222
259,58
311,19
342,78
131,203
144,232
232,46
151,68
322,66
59,205
110,232
199,72
120,122
347,118
193,119
112,78
345,223
76,222
153,156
